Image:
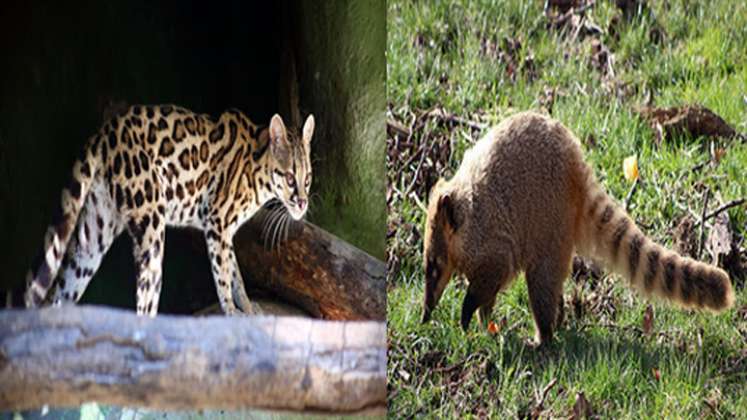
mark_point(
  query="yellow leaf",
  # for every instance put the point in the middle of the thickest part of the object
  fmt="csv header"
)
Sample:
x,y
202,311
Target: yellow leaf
x,y
630,168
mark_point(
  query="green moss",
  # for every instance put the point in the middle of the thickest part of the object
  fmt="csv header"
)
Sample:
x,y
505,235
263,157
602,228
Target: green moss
x,y
343,84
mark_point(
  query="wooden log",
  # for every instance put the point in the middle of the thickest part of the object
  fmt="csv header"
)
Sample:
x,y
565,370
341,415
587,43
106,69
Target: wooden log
x,y
324,275
66,356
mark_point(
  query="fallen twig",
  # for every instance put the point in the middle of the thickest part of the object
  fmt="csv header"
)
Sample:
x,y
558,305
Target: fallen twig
x,y
701,242
545,391
395,127
727,206
441,114
423,154
628,197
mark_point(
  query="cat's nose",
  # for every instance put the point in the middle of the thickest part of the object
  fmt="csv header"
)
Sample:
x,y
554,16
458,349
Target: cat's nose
x,y
302,203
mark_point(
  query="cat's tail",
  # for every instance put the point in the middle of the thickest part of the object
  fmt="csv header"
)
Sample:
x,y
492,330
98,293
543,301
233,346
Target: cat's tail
x,y
46,264
608,233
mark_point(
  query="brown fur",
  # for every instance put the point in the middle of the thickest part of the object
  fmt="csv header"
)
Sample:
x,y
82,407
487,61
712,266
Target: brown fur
x,y
523,199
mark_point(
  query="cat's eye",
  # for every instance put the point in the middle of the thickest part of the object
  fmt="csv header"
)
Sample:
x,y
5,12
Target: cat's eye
x,y
290,179
308,180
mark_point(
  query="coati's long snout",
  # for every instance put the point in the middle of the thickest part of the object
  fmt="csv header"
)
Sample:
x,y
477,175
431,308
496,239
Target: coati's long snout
x,y
441,224
437,276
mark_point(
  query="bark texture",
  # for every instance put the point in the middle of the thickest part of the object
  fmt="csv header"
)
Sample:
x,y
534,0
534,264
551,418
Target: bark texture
x,y
67,356
322,274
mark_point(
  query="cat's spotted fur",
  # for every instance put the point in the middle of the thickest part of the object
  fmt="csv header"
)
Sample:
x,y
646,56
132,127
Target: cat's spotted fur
x,y
154,166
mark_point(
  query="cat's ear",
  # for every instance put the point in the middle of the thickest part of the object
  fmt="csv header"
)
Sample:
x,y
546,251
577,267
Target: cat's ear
x,y
278,140
278,135
308,129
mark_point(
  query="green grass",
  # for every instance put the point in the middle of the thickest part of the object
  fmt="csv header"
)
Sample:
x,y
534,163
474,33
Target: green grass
x,y
441,54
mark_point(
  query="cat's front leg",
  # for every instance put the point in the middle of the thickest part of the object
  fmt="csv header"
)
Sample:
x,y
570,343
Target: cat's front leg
x,y
238,291
222,261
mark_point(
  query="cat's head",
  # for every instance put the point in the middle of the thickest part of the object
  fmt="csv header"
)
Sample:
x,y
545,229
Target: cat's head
x,y
291,171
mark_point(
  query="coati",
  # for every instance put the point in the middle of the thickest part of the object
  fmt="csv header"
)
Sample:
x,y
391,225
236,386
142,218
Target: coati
x,y
523,199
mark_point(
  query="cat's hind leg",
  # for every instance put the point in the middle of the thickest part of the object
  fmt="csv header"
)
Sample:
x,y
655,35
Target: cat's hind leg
x,y
148,234
96,229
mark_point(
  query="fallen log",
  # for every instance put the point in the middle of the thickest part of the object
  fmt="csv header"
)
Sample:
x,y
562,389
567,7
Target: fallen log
x,y
322,274
66,356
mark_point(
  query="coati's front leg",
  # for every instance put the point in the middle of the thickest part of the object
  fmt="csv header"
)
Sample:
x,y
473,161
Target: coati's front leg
x,y
484,284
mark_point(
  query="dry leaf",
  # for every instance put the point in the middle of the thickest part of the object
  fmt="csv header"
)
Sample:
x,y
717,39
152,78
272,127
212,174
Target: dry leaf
x,y
686,238
648,320
656,373
719,154
563,5
581,408
602,58
493,328
630,168
694,119
723,248
713,401
720,239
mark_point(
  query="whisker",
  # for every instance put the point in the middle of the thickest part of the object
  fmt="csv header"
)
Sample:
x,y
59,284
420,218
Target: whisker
x,y
271,234
287,224
265,227
269,223
266,222
280,233
275,233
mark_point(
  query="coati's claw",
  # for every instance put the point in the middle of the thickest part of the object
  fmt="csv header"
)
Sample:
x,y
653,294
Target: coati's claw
x,y
426,316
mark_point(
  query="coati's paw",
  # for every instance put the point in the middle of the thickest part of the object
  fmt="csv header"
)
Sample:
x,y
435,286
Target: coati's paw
x,y
532,343
537,346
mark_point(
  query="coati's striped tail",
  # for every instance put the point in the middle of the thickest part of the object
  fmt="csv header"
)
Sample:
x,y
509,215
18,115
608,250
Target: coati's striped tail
x,y
609,234
44,268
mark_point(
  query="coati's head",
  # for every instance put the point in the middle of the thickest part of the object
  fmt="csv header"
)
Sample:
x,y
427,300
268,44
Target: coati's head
x,y
291,165
441,226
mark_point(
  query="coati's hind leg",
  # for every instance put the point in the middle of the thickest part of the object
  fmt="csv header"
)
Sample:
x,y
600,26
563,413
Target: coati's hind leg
x,y
545,286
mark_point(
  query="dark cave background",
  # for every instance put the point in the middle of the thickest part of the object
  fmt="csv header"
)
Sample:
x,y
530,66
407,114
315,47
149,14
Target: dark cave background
x,y
65,63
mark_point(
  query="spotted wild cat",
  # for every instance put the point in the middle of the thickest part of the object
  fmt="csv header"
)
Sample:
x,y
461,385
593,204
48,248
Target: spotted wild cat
x,y
154,166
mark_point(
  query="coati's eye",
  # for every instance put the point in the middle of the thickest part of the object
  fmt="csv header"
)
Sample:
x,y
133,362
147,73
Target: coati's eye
x,y
290,179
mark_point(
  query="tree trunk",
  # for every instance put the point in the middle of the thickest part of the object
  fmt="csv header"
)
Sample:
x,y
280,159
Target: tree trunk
x,y
324,275
69,355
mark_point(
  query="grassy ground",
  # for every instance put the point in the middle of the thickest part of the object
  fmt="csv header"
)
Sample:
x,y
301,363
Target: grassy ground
x,y
482,61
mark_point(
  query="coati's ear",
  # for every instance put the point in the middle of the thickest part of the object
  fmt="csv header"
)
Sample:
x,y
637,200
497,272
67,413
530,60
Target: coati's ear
x,y
308,129
446,207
